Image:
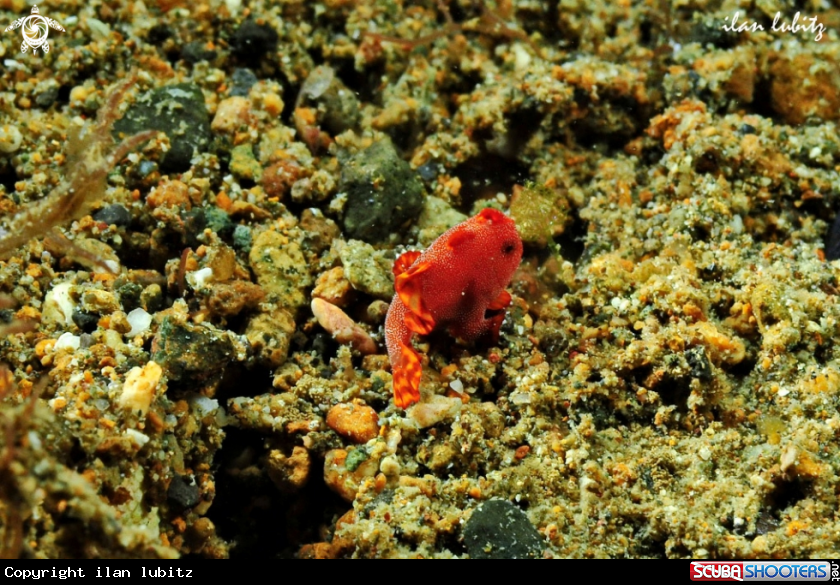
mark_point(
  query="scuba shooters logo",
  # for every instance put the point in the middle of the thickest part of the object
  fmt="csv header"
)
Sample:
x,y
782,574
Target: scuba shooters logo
x,y
35,31
765,571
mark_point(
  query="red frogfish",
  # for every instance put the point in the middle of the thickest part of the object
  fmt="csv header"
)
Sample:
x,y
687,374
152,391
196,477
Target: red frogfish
x,y
457,284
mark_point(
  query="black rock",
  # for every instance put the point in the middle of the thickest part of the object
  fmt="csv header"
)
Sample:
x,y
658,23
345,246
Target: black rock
x,y
252,41
832,241
383,193
196,51
182,493
499,530
709,32
243,80
700,366
47,97
87,322
114,214
178,110
158,34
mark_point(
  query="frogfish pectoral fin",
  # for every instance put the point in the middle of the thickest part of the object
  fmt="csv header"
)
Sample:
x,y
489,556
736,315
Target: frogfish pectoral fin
x,y
420,324
409,287
500,302
407,373
404,262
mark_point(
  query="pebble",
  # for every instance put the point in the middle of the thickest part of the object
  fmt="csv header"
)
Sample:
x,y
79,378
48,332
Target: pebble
x,y
281,269
100,301
231,114
114,214
243,163
10,139
333,287
196,51
252,41
242,80
342,327
140,387
368,269
498,529
269,335
59,305
169,194
337,106
342,480
190,352
183,492
383,193
140,322
289,473
179,111
357,422
434,410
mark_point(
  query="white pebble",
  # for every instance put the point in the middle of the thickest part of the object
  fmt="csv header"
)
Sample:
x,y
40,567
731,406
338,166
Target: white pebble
x,y
67,340
198,278
139,320
10,139
139,438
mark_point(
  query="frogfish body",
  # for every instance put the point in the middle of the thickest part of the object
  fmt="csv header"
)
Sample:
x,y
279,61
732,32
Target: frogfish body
x,y
457,284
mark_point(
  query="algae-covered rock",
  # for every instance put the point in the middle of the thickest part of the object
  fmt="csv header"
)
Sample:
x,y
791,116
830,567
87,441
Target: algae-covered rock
x,y
281,269
499,530
383,193
180,112
367,269
191,353
243,164
539,212
437,217
269,335
337,108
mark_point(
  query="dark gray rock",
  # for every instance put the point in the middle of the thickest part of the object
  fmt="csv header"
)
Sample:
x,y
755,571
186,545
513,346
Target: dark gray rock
x,y
178,110
252,41
191,353
832,242
196,51
183,493
87,322
243,80
114,214
499,530
336,104
383,193
47,97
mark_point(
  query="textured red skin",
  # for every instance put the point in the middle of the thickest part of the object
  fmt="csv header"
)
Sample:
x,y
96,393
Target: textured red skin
x,y
457,279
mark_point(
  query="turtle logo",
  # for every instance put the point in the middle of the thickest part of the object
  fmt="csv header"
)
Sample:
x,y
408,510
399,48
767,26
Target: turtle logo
x,y
35,31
